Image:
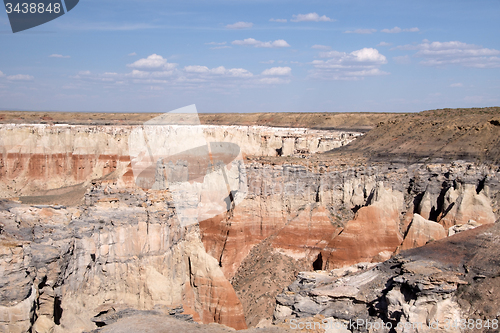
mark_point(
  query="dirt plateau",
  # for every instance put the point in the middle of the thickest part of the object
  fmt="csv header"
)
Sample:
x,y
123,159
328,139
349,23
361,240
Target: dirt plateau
x,y
344,234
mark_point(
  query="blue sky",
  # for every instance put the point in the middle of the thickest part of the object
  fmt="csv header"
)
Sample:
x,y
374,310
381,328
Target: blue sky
x,y
255,56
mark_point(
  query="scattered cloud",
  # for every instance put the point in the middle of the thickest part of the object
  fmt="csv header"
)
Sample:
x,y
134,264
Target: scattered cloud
x,y
384,44
2,74
240,25
311,17
320,47
278,20
132,54
361,31
402,59
349,66
84,73
20,77
153,62
256,43
58,56
456,85
138,74
267,62
221,70
277,71
394,30
397,30
454,53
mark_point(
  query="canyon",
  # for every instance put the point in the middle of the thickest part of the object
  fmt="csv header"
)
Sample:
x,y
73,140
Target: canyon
x,y
324,230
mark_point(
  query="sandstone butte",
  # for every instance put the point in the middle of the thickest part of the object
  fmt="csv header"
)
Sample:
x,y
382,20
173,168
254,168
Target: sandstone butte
x,y
80,240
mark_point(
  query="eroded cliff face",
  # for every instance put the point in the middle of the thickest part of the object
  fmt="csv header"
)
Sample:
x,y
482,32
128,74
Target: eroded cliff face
x,y
440,287
89,243
36,158
332,216
122,249
104,245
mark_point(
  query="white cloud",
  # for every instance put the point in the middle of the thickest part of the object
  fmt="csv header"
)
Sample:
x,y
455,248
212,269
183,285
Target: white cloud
x,y
384,44
2,74
402,59
394,30
278,20
196,69
238,72
456,85
153,62
58,56
397,30
20,77
84,73
361,31
454,53
256,43
349,66
240,25
221,70
277,71
132,54
368,55
311,17
320,47
138,74
267,62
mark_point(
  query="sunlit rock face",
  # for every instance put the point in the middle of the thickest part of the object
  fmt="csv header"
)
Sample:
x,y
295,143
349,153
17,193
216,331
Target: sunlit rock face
x,y
348,215
54,156
372,234
124,249
422,231
90,239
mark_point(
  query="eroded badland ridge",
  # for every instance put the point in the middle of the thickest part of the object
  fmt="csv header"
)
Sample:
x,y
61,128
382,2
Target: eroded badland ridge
x,y
389,218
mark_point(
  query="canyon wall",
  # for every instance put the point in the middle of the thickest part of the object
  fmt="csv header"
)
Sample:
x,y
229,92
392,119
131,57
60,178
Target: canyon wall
x,y
81,240
323,217
123,249
36,158
449,285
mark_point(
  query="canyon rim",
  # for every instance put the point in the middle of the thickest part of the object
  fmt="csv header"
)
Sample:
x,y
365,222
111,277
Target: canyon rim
x,y
372,218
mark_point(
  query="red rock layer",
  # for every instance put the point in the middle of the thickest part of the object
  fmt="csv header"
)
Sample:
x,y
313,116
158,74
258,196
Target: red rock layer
x,y
230,239
373,234
307,234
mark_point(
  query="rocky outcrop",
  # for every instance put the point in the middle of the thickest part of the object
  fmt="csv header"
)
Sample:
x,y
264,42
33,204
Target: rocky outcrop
x,y
54,156
422,290
372,235
329,216
123,249
464,203
421,232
